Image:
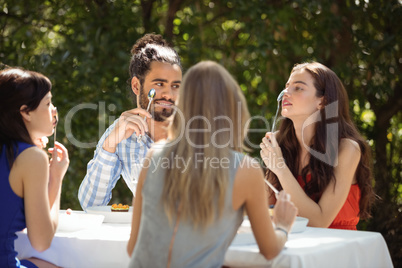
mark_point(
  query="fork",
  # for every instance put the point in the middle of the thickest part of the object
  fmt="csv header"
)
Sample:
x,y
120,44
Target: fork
x,y
272,187
55,126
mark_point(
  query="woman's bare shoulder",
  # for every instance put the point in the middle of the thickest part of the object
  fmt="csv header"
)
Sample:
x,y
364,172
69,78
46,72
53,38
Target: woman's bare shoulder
x,y
349,153
32,156
248,181
250,169
349,145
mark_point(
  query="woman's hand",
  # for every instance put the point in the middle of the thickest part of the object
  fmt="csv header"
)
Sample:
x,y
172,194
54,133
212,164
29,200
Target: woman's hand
x,y
284,212
59,162
271,153
41,142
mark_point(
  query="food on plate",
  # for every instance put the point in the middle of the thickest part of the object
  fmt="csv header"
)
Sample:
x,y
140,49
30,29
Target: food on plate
x,y
69,211
119,208
271,210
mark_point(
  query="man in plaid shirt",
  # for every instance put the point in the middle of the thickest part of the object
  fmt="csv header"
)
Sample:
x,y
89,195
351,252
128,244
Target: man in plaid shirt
x,y
121,150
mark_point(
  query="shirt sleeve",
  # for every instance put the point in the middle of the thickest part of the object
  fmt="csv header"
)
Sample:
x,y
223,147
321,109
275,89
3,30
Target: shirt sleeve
x,y
103,172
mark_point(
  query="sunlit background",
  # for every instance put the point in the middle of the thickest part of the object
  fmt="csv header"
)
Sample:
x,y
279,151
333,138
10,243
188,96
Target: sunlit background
x,y
84,48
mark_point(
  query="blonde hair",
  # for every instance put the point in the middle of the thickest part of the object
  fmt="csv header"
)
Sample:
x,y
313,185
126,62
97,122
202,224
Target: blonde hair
x,y
212,102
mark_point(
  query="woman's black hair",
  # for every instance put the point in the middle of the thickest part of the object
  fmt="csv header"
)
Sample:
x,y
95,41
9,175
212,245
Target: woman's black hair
x,y
18,87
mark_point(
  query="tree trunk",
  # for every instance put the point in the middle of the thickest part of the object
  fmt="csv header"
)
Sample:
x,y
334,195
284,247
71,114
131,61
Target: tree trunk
x,y
146,6
386,216
174,6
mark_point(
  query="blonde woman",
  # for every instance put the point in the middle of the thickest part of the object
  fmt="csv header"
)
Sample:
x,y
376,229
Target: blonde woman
x,y
194,189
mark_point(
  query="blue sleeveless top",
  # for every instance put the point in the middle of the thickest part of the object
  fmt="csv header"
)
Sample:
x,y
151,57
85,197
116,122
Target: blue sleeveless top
x,y
12,211
192,247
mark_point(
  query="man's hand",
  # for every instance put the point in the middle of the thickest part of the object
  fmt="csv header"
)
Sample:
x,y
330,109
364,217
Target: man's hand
x,y
129,122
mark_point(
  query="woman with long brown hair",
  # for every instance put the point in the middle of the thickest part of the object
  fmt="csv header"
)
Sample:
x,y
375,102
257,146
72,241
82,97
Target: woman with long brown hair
x,y
318,155
194,188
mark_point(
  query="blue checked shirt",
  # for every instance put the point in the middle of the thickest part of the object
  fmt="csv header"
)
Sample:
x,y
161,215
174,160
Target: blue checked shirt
x,y
104,170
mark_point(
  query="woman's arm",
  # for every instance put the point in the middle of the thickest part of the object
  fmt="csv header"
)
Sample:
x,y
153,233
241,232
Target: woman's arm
x,y
335,195
323,213
249,189
137,209
33,167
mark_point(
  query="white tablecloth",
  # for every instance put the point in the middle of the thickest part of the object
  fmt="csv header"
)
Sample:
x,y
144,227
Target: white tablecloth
x,y
105,246
315,247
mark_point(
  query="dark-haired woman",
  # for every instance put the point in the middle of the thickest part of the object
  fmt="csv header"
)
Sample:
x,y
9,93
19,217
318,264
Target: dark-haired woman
x,y
318,155
30,184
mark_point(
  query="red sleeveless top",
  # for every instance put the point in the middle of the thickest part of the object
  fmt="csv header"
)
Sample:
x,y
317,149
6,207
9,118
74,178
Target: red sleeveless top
x,y
348,216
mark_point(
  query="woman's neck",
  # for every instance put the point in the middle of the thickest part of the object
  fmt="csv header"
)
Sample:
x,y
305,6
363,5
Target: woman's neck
x,y
40,142
304,134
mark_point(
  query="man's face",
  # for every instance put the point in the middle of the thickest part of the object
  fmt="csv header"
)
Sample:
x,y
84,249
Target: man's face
x,y
165,79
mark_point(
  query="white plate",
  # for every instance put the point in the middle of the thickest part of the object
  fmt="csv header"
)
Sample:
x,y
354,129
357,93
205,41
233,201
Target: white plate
x,y
111,217
299,225
245,235
78,220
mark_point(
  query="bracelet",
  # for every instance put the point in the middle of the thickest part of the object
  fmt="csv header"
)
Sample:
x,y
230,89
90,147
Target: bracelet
x,y
283,230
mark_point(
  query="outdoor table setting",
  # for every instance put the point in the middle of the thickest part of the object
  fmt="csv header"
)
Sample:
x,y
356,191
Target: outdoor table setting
x,y
99,238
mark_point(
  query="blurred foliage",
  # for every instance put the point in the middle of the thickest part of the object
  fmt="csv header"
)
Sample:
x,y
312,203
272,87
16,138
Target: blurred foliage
x,y
84,48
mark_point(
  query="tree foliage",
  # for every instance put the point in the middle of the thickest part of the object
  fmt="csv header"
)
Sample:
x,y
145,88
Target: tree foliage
x,y
83,47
